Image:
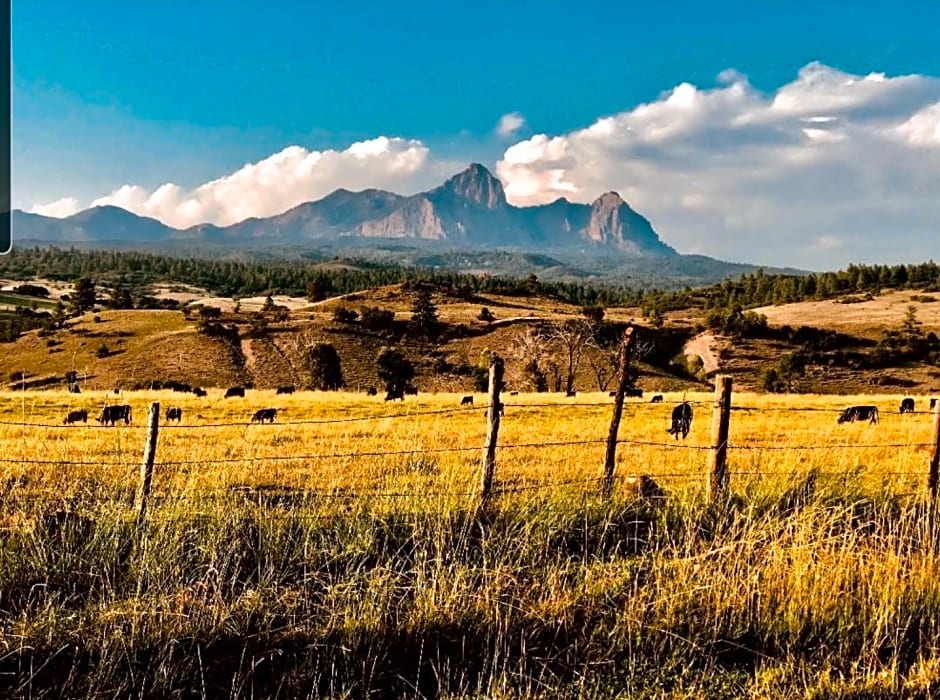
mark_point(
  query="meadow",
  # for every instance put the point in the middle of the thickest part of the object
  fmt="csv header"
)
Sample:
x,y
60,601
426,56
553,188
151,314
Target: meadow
x,y
339,552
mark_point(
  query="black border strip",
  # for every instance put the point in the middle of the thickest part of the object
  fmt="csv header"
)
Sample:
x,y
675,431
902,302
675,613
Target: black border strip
x,y
6,109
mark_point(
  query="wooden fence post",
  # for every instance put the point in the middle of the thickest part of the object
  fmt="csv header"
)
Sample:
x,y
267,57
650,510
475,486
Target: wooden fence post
x,y
623,379
934,472
718,454
146,466
492,429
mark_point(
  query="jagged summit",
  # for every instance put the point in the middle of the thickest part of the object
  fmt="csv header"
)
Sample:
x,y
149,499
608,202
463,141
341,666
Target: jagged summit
x,y
478,185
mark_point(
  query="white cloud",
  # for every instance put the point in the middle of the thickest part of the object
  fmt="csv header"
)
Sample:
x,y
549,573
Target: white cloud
x,y
284,180
60,208
510,124
830,165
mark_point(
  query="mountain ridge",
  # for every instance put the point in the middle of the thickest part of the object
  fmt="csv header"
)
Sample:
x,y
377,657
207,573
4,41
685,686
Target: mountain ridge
x,y
468,209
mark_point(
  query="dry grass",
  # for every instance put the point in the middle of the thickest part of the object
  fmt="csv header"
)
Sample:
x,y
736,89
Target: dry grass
x,y
864,319
364,574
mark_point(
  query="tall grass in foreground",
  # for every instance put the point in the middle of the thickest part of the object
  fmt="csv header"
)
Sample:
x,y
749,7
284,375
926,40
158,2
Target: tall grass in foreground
x,y
816,578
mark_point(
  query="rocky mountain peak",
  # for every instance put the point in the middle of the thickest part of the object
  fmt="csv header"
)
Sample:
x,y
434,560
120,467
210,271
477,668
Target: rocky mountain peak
x,y
479,185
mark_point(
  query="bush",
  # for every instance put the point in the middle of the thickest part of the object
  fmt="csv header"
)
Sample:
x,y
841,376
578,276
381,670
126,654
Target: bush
x,y
376,319
102,352
343,314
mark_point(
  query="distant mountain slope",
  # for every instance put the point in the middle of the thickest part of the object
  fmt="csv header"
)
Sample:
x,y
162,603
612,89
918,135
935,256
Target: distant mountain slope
x,y
468,210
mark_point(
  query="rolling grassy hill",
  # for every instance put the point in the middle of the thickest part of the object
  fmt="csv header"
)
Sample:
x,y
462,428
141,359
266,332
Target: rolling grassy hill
x,y
142,346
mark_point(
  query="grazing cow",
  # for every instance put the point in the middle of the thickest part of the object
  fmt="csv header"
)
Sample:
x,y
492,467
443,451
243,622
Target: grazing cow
x,y
116,390
681,420
658,398
634,392
289,389
174,413
112,414
411,390
502,409
75,416
611,393
393,394
264,414
907,405
855,413
74,388
513,393
466,401
199,391
569,394
234,391
372,391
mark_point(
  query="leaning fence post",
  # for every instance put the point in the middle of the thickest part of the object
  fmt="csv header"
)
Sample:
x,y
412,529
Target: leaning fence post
x,y
492,428
718,454
623,379
146,466
934,472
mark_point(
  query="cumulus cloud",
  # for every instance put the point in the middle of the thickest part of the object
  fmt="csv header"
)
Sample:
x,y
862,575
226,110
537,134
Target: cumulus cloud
x,y
281,181
60,208
510,124
830,165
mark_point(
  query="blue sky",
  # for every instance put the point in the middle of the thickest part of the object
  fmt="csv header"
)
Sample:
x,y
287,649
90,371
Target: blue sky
x,y
114,94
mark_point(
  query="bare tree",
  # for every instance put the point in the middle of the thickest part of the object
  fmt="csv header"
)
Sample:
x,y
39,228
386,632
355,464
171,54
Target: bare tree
x,y
530,351
602,355
570,337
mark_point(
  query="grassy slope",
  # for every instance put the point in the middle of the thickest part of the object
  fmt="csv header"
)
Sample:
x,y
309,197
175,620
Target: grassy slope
x,y
162,345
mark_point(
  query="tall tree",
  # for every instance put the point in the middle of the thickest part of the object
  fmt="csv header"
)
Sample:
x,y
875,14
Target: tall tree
x,y
84,296
424,320
323,366
394,369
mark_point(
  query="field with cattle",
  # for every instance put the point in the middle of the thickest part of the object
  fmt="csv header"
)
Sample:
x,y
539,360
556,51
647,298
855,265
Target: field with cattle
x,y
338,551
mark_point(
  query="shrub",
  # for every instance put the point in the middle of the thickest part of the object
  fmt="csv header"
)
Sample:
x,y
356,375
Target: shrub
x,y
102,352
343,314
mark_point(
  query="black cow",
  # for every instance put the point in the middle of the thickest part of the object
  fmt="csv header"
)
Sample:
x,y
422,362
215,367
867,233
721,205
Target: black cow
x,y
285,389
611,393
393,394
116,390
502,409
681,420
854,413
634,392
181,387
513,393
112,414
466,401
75,416
372,391
658,398
74,389
907,405
199,391
569,394
174,413
411,390
264,414
234,391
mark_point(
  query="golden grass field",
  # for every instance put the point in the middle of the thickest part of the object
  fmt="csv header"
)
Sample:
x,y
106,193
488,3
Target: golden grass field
x,y
333,442
295,560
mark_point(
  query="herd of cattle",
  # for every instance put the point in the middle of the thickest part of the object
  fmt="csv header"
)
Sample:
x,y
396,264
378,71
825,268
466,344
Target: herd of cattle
x,y
681,418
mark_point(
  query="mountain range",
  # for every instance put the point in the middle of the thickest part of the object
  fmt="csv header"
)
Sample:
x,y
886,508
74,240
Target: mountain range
x,y
467,211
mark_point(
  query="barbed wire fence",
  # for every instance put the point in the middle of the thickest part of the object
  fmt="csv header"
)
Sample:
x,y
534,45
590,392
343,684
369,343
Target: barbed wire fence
x,y
717,475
